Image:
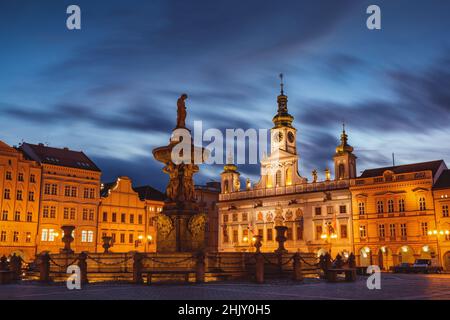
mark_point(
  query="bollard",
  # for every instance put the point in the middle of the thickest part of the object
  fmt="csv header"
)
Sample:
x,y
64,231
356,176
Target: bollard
x,y
298,275
137,268
200,268
82,264
259,268
44,267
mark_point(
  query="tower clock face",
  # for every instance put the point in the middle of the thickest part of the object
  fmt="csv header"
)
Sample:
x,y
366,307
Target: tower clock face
x,y
277,137
291,137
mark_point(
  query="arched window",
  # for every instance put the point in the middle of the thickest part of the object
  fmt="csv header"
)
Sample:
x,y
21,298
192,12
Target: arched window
x,y
278,178
289,176
422,204
341,171
380,206
362,208
401,205
269,181
390,206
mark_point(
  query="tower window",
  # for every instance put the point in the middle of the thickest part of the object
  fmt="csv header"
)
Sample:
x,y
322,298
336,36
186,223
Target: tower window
x,y
278,178
341,171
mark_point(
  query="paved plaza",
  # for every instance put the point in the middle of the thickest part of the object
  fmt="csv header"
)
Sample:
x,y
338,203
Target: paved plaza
x,y
393,286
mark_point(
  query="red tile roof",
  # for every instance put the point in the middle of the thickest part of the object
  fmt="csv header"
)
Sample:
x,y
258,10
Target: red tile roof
x,y
60,157
413,167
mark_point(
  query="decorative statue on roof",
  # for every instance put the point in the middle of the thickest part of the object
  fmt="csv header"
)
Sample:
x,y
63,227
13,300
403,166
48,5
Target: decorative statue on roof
x,y
181,111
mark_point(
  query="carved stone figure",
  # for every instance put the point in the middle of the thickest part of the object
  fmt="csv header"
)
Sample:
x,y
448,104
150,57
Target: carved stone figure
x,y
314,174
174,183
165,225
279,219
181,111
188,171
197,224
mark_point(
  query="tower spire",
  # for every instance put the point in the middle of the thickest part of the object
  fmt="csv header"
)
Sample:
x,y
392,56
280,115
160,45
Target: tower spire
x,y
281,84
344,146
282,118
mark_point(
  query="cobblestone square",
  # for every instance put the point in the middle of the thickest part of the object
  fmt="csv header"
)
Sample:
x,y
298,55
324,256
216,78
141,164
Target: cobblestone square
x,y
393,286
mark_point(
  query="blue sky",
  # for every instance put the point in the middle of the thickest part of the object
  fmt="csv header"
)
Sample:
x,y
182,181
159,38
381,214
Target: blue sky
x,y
110,89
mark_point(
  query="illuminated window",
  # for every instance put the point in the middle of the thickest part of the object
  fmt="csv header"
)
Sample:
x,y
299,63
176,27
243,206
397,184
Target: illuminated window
x,y
278,178
44,235
289,176
83,236
445,210
422,204
362,232
362,208
51,235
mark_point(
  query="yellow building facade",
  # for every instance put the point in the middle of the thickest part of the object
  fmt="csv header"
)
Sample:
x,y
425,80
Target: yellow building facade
x,y
128,217
20,181
70,195
393,214
441,194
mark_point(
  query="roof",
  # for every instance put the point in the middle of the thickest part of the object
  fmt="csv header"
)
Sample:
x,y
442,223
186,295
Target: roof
x,y
150,193
60,157
104,191
413,167
443,181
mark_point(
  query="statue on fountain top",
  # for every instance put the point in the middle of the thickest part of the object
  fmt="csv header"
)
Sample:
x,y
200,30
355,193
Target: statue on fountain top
x,y
181,111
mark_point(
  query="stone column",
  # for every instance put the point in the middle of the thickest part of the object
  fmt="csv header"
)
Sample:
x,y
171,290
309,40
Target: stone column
x,y
137,268
258,243
82,264
259,268
297,274
44,267
200,267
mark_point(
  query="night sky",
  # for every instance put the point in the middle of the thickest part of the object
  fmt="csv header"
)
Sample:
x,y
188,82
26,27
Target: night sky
x,y
110,89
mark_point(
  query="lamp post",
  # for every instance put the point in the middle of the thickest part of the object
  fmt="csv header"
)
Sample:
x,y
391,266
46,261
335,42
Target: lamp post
x,y
438,233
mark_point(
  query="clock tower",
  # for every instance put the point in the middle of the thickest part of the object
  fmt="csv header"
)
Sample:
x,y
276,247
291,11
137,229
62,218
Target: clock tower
x,y
283,134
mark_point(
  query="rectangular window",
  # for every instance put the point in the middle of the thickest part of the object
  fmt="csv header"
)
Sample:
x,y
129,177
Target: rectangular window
x,y
130,238
269,234
51,235
73,192
403,230
381,231
392,231
66,213
84,236
235,217
67,191
113,237
45,212
344,231
54,189
380,206
90,236
131,218
225,218
29,216
8,175
362,232
44,235
85,214
105,216
319,231
122,218
92,193
114,217
52,212
390,206
31,196
5,215
7,194
343,209
3,236
20,176
72,213
122,238
401,205
86,193
19,195
47,188
16,236
424,227
445,210
32,178
244,217
91,214
318,211
330,210
140,220
17,216
362,208
235,236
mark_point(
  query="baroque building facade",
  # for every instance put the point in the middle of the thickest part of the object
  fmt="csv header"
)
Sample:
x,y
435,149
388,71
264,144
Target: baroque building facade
x,y
317,213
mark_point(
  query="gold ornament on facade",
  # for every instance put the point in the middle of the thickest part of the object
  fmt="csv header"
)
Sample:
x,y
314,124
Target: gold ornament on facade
x,y
165,225
197,224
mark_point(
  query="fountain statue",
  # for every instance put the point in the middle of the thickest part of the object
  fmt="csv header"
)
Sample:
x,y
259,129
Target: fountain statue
x,y
181,228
